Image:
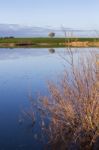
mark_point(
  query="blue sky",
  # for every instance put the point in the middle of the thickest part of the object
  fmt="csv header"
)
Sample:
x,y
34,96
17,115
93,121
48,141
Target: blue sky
x,y
69,13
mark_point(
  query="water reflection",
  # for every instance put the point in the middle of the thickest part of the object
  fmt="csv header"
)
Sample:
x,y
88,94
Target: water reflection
x,y
22,71
52,50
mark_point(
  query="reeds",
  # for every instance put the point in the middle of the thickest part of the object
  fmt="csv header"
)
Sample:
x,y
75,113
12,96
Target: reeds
x,y
72,107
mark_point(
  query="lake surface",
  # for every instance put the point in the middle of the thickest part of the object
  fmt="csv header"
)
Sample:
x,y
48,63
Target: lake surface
x,y
25,71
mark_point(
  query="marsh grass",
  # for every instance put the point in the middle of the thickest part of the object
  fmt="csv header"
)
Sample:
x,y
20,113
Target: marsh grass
x,y
69,116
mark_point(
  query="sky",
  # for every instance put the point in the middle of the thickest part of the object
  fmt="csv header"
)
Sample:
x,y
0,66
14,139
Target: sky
x,y
78,14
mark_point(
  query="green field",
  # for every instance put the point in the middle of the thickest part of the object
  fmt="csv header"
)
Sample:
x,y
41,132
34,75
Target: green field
x,y
44,40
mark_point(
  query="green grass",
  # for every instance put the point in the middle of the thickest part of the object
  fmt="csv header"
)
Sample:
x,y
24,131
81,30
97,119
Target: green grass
x,y
44,40
32,40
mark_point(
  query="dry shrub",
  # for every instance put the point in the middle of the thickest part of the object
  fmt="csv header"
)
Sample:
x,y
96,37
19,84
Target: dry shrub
x,y
72,107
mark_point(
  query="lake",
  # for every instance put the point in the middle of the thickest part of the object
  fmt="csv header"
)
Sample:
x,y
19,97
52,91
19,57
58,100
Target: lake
x,y
25,71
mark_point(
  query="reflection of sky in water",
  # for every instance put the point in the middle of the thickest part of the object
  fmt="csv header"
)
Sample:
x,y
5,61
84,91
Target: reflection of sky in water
x,y
22,71
21,52
30,52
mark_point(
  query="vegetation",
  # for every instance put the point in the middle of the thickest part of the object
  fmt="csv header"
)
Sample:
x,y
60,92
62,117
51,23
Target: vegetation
x,y
45,40
70,114
48,42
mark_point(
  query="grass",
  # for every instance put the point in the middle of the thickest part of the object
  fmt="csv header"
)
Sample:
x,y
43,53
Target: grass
x,y
46,40
72,107
43,42
33,40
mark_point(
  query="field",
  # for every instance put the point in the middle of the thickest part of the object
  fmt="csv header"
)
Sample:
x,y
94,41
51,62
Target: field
x,y
49,42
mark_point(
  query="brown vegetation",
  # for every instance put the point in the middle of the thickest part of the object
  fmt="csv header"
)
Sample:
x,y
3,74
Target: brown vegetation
x,y
72,108
82,44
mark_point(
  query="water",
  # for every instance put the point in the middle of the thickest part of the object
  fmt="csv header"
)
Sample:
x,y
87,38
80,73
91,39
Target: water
x,y
25,71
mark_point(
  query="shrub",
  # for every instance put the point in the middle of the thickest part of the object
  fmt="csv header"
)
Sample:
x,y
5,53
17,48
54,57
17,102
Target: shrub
x,y
72,107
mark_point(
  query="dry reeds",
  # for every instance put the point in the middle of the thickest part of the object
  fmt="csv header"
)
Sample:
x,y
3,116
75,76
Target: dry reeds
x,y
72,107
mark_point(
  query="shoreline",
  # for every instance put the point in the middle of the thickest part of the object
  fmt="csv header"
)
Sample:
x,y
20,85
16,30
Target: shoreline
x,y
48,42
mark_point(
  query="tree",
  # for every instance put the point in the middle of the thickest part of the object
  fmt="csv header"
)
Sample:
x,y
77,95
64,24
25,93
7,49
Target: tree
x,y
51,34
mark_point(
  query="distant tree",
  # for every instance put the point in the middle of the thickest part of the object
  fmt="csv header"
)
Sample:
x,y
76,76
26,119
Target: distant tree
x,y
51,34
8,37
11,37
